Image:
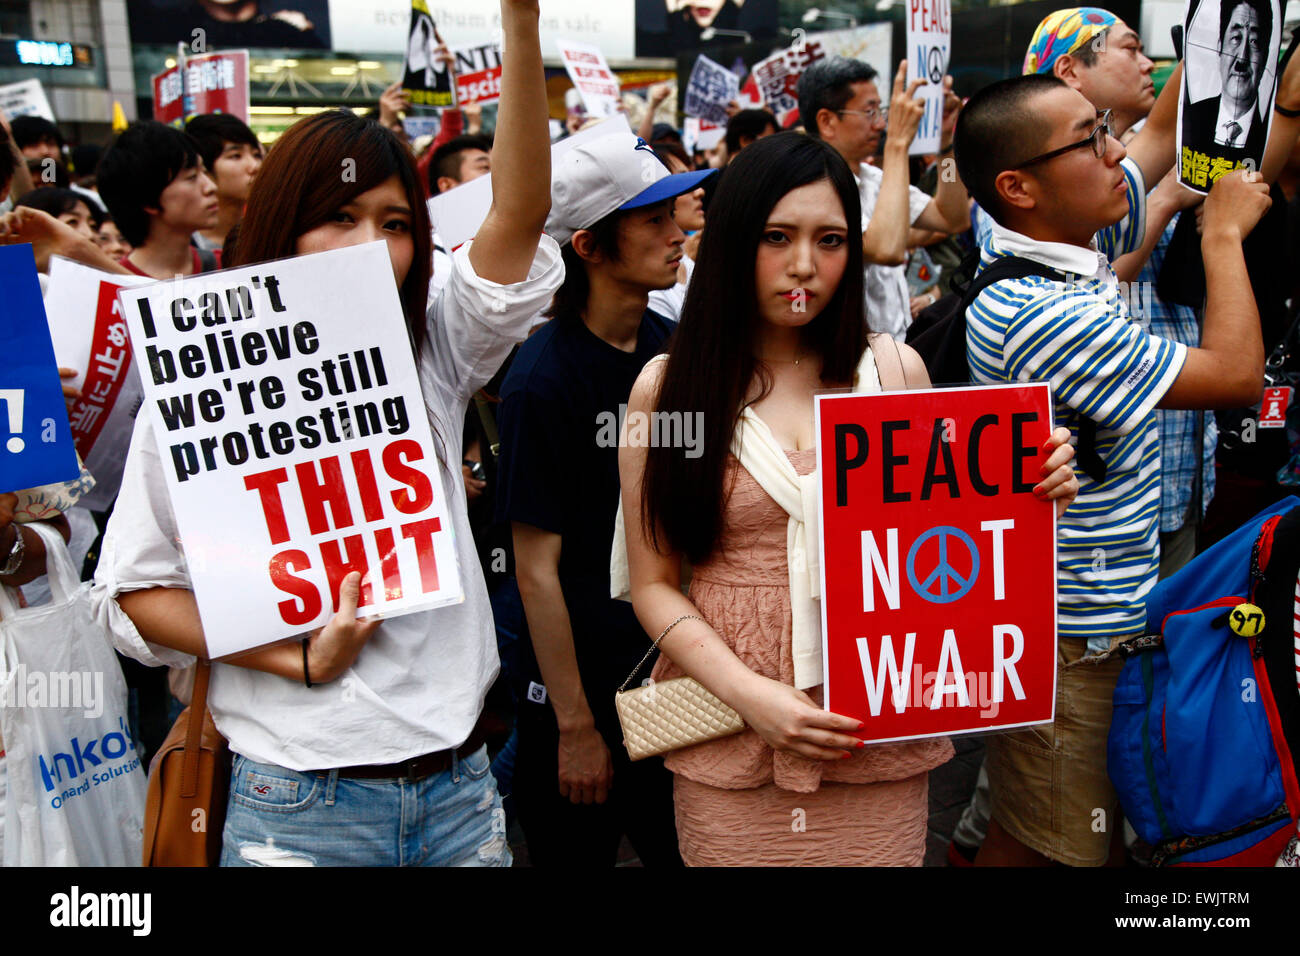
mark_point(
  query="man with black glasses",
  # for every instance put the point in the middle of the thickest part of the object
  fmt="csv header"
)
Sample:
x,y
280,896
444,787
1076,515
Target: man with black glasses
x,y
1065,194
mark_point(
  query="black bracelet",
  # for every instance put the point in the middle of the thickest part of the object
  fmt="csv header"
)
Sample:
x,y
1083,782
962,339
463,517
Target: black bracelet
x,y
1285,112
306,674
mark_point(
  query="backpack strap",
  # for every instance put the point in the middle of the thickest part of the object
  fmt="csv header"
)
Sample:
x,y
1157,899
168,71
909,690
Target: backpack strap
x,y
1016,267
207,260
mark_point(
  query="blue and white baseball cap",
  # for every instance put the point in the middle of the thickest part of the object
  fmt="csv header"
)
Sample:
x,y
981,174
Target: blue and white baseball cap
x,y
607,174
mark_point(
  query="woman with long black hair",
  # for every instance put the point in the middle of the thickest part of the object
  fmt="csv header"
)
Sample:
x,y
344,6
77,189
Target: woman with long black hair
x,y
773,315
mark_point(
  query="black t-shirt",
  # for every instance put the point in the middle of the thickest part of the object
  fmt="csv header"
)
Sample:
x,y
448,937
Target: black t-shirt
x,y
561,410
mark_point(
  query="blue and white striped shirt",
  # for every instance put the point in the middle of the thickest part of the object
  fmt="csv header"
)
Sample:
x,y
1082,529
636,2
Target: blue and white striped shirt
x,y
1078,335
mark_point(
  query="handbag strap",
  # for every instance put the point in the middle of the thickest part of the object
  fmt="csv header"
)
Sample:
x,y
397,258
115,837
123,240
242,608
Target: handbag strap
x,y
194,732
655,646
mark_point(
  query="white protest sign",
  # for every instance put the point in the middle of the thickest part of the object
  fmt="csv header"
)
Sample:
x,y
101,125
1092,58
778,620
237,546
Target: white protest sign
x,y
929,44
591,75
700,135
478,73
25,99
709,90
294,443
457,213
90,335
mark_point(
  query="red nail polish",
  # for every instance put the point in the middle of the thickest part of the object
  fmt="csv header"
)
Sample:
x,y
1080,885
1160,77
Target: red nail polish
x,y
862,726
1039,491
861,744
846,755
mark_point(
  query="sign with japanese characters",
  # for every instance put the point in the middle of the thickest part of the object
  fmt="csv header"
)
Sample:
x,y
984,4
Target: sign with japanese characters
x,y
90,335
1229,81
268,396
710,89
592,76
938,562
209,83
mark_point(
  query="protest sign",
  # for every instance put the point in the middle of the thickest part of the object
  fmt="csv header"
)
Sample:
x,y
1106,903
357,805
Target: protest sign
x,y
1226,97
457,213
478,73
426,81
871,43
710,89
938,563
90,335
591,76
929,45
35,442
778,76
25,99
293,440
700,135
209,83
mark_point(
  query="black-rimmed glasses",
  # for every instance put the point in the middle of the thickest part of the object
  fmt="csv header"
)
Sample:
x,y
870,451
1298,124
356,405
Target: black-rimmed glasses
x,y
1096,139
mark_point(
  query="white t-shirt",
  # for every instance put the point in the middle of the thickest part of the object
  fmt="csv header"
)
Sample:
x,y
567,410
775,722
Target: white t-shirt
x,y
885,287
668,302
418,685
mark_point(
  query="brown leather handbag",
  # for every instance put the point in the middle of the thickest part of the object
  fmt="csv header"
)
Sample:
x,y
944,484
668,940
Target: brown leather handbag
x,y
189,781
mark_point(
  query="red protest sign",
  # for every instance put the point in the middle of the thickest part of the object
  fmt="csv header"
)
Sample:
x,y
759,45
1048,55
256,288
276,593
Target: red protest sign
x,y
478,74
938,561
110,357
212,82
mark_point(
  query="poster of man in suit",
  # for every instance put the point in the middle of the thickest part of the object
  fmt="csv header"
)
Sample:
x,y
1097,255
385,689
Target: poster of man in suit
x,y
1229,79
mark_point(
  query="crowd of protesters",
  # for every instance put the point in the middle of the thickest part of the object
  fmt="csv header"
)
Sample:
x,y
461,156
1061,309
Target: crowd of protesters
x,y
635,277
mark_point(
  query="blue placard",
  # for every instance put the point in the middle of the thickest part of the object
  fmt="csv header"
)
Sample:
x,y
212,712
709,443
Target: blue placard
x,y
36,445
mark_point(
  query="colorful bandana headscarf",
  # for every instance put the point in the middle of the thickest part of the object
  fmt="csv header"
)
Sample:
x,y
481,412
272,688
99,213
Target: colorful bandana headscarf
x,y
1062,32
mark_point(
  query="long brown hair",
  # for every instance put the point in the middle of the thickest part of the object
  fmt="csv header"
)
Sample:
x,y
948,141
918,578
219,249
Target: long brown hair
x,y
711,358
318,165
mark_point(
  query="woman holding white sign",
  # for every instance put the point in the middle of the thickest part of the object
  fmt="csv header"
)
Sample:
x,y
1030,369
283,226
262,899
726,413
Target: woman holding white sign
x,y
360,746
795,786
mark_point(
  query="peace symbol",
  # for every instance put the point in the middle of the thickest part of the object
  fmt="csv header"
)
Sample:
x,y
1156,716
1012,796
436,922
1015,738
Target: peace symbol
x,y
935,64
943,572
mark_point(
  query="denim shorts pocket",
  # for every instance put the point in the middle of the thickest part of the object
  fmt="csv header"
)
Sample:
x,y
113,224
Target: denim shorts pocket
x,y
475,766
273,789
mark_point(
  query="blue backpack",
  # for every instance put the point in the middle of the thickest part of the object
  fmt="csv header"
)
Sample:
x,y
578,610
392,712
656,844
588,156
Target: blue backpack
x,y
1207,713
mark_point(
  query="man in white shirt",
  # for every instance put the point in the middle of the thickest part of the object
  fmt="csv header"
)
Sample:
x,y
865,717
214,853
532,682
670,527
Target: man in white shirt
x,y
840,103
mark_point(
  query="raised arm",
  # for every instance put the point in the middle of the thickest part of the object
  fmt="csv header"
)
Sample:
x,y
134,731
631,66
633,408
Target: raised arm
x,y
884,241
507,241
1156,144
949,211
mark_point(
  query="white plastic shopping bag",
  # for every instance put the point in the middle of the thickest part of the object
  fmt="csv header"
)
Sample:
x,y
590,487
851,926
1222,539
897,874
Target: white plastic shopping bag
x,y
76,787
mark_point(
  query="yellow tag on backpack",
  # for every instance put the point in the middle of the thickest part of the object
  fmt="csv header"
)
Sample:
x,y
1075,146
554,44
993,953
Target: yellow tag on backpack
x,y
1246,620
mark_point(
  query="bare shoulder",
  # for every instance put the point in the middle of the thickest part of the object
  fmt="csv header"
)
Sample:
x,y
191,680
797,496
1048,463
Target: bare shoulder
x,y
645,391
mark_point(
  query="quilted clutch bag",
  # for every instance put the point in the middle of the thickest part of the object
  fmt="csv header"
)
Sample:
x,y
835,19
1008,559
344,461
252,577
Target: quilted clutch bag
x,y
668,715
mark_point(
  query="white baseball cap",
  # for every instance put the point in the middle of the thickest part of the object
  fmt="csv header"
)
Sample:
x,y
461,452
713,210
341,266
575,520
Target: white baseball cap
x,y
610,173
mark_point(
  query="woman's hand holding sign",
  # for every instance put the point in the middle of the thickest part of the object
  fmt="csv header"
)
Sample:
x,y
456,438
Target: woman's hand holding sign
x,y
1059,483
332,649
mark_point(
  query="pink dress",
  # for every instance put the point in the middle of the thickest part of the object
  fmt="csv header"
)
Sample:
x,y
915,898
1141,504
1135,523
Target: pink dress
x,y
738,801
